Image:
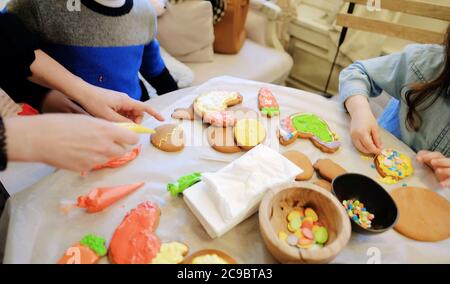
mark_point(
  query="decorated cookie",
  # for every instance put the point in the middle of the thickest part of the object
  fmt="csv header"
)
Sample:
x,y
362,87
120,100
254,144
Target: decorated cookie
x,y
134,241
120,161
183,183
328,169
171,253
249,133
101,198
393,165
222,139
267,102
168,138
303,162
88,251
210,256
212,106
137,128
184,113
423,214
324,184
309,126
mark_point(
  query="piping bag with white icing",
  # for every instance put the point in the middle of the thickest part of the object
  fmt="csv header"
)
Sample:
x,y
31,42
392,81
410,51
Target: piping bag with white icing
x,y
237,189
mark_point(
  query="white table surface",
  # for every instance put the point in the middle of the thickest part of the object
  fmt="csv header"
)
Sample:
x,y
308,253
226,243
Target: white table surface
x,y
34,230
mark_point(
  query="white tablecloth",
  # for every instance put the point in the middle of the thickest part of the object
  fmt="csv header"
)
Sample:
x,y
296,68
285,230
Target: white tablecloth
x,y
34,230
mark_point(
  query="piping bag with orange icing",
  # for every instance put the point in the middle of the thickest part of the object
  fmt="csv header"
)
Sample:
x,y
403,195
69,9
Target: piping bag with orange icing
x,y
120,161
100,198
134,241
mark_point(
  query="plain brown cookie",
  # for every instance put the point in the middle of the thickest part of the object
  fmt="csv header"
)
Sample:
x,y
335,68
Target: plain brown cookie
x,y
324,184
424,214
227,258
168,138
328,169
184,113
302,161
222,139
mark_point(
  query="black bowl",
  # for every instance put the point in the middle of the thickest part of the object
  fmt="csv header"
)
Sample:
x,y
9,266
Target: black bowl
x,y
375,199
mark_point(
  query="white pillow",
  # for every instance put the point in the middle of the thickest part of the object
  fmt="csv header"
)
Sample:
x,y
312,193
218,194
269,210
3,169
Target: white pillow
x,y
186,31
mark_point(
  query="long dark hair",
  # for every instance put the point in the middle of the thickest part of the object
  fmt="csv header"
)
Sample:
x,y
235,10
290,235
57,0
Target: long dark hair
x,y
422,95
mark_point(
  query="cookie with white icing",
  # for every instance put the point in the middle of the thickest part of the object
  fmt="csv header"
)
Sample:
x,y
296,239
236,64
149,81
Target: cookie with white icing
x,y
212,107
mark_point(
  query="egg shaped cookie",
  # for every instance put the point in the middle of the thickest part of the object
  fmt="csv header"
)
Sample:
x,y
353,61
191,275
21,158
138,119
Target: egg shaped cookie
x,y
249,133
168,138
393,165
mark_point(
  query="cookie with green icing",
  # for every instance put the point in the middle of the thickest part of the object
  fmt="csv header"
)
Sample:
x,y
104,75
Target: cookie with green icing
x,y
308,126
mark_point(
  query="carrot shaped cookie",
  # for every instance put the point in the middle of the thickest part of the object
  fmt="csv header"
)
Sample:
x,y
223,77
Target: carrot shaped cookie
x,y
100,198
134,241
268,104
88,251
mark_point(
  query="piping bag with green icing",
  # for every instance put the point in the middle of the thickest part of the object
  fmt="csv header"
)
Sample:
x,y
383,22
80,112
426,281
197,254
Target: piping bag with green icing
x,y
183,183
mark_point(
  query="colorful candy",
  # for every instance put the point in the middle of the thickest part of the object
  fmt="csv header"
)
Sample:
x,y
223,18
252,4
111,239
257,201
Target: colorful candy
x,y
358,213
305,229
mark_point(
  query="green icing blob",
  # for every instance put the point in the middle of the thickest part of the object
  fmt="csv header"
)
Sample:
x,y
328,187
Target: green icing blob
x,y
270,111
95,243
183,183
310,123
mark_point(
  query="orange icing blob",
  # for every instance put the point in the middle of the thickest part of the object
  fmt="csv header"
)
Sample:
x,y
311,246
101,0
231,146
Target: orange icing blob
x,y
133,241
100,198
79,254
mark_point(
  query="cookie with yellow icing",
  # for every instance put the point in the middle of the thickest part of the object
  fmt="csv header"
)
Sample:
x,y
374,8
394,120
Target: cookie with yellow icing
x,y
168,138
212,107
308,126
171,253
249,133
393,165
210,256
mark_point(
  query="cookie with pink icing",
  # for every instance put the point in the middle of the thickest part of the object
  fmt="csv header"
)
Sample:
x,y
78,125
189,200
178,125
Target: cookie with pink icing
x,y
212,107
308,126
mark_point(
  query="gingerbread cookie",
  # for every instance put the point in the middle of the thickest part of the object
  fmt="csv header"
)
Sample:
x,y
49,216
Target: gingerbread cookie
x,y
302,161
328,169
249,133
168,138
324,184
88,251
208,105
308,126
184,113
393,166
171,253
267,102
222,139
134,241
210,256
423,214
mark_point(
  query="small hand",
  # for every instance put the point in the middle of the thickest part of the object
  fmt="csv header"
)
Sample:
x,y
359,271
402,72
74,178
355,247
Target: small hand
x,y
115,106
439,163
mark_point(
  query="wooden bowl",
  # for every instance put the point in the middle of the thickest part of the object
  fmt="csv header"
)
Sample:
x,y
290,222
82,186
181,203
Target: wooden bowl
x,y
277,204
219,253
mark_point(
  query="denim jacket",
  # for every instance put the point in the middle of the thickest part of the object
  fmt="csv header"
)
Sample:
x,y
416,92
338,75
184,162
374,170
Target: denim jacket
x,y
394,74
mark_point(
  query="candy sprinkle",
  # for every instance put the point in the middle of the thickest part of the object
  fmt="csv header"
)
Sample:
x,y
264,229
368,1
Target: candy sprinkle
x,y
306,231
358,213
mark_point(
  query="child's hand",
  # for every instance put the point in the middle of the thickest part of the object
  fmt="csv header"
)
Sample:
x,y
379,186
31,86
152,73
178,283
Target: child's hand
x,y
56,102
115,106
439,163
364,127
